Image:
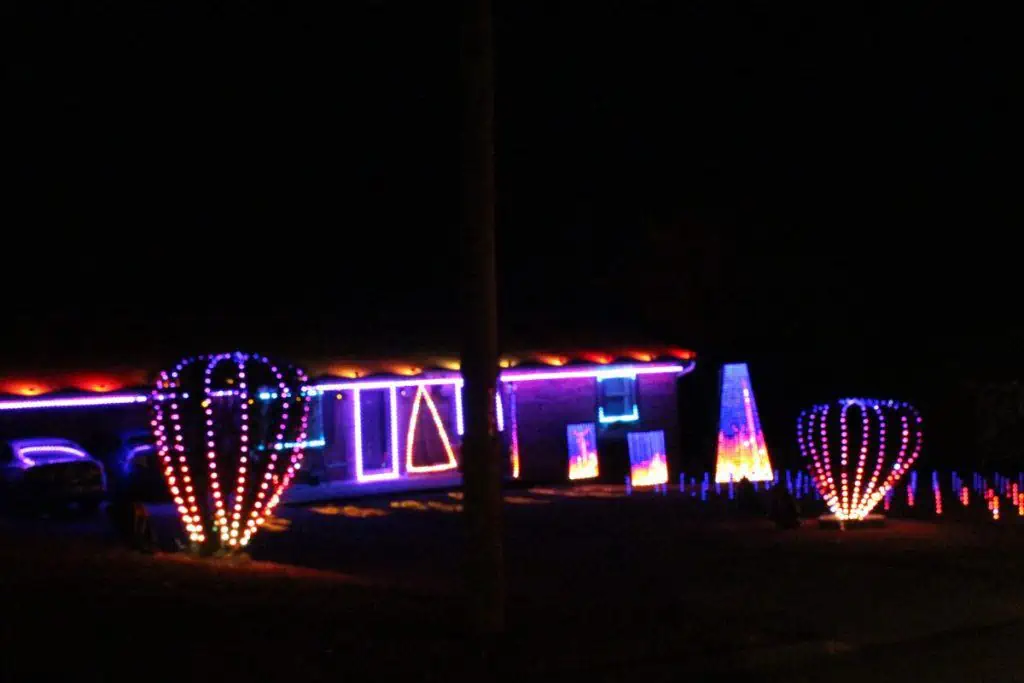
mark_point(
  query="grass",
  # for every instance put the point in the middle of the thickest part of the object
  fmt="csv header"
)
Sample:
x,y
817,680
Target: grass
x,y
598,584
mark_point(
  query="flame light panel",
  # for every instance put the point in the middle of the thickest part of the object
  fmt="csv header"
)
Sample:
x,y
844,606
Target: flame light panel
x,y
648,465
742,452
582,440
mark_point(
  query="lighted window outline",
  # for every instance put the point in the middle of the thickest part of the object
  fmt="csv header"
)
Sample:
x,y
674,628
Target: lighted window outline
x,y
631,416
410,467
357,438
460,425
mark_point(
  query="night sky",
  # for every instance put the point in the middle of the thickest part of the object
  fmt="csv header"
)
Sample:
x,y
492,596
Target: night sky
x,y
821,190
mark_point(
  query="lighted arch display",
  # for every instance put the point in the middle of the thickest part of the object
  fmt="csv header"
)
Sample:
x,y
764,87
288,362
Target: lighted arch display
x,y
867,465
742,453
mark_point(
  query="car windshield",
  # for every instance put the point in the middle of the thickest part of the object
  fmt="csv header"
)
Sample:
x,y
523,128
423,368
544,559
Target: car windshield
x,y
50,452
140,440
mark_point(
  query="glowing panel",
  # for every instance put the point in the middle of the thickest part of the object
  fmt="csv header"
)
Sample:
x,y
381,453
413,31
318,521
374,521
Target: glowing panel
x,y
514,436
582,440
648,465
843,478
410,466
742,452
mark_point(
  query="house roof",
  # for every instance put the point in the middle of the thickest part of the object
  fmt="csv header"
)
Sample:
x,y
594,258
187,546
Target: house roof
x,y
101,382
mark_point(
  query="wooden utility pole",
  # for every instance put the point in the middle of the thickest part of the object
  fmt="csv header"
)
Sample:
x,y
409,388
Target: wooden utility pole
x,y
479,362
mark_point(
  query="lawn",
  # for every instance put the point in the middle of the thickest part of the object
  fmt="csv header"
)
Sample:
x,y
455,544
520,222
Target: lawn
x,y
600,584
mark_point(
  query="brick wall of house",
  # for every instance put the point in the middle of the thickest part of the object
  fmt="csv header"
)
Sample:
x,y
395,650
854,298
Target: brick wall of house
x,y
545,408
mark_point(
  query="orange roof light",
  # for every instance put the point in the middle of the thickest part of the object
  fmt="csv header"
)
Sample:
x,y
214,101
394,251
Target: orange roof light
x,y
448,364
408,370
26,388
346,371
642,356
552,360
97,383
599,358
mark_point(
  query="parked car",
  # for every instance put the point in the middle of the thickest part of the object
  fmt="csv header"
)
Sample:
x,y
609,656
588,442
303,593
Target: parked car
x,y
138,467
50,472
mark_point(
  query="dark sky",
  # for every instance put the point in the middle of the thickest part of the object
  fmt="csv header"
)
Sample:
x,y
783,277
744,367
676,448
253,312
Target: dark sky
x,y
747,179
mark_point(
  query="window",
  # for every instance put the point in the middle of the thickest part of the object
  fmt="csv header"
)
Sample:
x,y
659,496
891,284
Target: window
x,y
616,400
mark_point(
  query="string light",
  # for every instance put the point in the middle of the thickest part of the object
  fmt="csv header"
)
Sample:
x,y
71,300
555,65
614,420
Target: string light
x,y
73,402
841,484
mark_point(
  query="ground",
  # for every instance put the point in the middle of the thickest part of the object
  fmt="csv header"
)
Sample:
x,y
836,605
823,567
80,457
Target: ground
x,y
600,584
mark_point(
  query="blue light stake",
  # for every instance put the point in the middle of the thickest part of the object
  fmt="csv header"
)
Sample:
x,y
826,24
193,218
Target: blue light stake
x,y
789,481
629,485
775,480
693,486
730,487
682,483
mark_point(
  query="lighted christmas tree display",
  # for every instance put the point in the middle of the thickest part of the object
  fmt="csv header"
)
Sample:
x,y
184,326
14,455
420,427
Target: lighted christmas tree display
x,y
230,432
742,453
855,466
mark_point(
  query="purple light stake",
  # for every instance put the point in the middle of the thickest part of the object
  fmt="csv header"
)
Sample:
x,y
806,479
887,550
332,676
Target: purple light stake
x,y
776,479
730,488
629,485
912,489
789,481
682,483
693,486
887,500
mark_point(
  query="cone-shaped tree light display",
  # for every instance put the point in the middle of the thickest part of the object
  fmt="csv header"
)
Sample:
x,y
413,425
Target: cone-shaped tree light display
x,y
742,453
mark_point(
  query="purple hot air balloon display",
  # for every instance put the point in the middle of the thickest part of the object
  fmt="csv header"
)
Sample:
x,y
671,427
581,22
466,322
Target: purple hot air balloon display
x,y
230,430
858,449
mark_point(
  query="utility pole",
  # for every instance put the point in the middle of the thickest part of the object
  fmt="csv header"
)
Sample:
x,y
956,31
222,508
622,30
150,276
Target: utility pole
x,y
479,360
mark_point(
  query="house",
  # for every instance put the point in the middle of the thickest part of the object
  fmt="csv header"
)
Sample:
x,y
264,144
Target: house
x,y
601,415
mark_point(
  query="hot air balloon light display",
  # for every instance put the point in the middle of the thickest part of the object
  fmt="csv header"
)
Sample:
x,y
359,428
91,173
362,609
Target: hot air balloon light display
x,y
230,433
854,468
